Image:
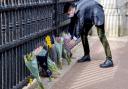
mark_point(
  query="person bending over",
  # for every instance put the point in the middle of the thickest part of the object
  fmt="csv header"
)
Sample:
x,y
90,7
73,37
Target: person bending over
x,y
84,14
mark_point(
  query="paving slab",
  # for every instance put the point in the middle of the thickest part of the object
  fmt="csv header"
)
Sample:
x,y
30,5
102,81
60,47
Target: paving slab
x,y
88,75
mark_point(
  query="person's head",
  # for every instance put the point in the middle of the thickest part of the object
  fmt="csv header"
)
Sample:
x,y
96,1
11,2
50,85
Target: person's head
x,y
69,9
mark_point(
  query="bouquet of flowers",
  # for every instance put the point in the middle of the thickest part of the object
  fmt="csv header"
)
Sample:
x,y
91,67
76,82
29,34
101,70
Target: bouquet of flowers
x,y
66,55
67,42
51,65
31,63
59,47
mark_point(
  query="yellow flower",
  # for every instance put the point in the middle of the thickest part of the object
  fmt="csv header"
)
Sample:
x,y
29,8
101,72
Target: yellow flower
x,y
48,41
30,80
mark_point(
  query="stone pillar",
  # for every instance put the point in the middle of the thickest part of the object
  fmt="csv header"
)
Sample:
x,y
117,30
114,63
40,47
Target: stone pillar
x,y
116,17
123,9
112,17
126,19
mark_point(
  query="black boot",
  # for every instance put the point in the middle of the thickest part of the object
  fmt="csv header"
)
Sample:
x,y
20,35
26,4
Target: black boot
x,y
84,59
108,63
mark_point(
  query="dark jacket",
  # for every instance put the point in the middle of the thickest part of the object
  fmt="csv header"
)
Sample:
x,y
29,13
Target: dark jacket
x,y
88,12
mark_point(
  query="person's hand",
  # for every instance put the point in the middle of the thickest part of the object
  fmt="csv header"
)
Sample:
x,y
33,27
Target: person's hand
x,y
74,38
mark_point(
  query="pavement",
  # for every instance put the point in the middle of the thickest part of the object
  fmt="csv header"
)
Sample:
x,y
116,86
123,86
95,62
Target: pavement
x,y
88,75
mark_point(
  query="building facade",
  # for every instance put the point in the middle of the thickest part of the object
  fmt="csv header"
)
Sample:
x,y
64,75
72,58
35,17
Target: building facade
x,y
116,17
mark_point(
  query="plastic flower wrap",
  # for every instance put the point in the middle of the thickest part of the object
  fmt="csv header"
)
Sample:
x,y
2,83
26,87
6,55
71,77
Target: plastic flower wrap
x,y
53,54
59,46
66,55
51,65
66,52
67,40
31,63
37,50
67,37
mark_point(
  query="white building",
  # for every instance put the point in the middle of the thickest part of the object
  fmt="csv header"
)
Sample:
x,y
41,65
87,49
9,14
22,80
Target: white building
x,y
116,16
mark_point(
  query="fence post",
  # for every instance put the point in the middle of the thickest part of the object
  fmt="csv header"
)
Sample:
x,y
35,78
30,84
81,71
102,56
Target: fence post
x,y
55,17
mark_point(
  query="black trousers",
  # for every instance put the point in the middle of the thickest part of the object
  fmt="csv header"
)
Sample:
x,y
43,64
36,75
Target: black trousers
x,y
102,37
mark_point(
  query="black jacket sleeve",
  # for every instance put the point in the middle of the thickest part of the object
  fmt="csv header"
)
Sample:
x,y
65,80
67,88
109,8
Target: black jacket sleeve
x,y
74,27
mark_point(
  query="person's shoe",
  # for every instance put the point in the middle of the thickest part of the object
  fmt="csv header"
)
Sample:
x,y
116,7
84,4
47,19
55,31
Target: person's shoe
x,y
84,59
108,63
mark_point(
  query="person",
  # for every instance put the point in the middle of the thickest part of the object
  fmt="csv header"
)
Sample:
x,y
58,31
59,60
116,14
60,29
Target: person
x,y
84,14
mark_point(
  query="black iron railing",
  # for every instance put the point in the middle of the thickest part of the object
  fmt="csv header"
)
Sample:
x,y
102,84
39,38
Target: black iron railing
x,y
23,23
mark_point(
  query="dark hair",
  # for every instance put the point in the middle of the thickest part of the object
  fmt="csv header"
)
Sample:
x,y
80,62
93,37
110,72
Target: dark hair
x,y
67,6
